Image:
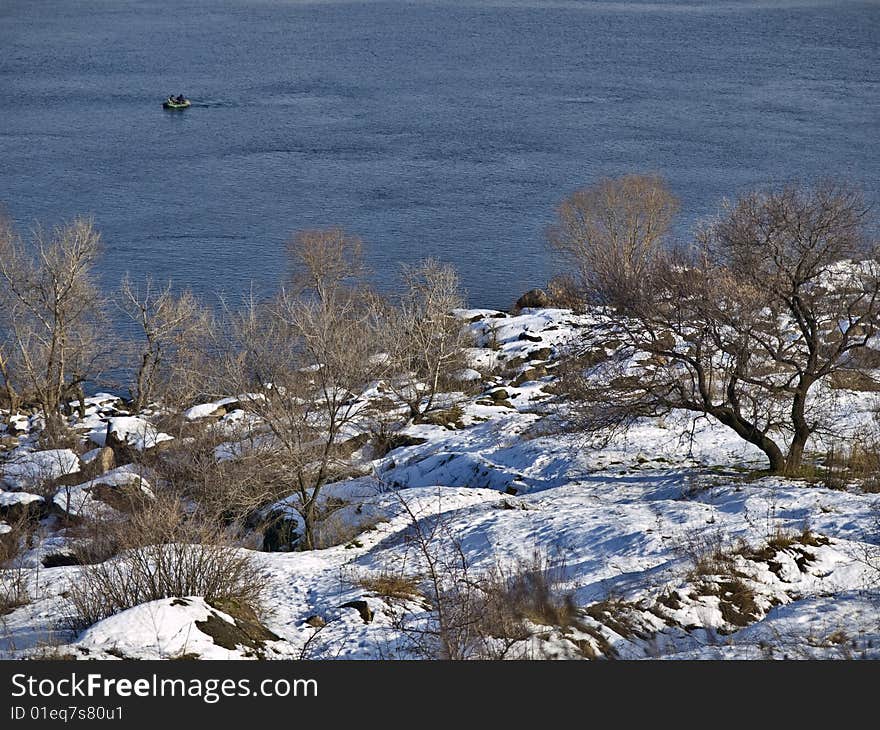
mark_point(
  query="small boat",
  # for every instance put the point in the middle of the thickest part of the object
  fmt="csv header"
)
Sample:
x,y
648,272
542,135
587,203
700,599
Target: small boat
x,y
176,102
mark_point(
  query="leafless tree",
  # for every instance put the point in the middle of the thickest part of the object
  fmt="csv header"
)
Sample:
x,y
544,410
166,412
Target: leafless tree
x,y
611,232
303,360
421,335
779,294
325,261
167,324
51,321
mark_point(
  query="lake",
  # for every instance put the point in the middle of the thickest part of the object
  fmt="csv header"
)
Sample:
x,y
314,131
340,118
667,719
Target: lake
x,y
447,129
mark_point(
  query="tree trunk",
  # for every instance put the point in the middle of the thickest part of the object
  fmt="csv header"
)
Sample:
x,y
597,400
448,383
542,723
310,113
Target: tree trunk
x,y
308,515
748,432
802,429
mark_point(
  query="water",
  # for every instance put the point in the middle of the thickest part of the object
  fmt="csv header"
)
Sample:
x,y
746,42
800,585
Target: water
x,y
449,129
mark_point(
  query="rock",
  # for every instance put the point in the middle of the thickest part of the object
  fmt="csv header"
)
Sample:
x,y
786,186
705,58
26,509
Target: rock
x,y
247,629
17,424
281,533
530,374
362,607
101,464
316,622
114,441
542,353
396,441
526,337
8,539
124,433
57,560
499,394
15,506
533,299
665,341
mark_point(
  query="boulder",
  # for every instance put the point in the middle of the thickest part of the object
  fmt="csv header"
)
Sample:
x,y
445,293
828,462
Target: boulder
x,y
58,560
529,337
17,424
541,353
104,461
362,607
530,374
533,299
15,506
281,532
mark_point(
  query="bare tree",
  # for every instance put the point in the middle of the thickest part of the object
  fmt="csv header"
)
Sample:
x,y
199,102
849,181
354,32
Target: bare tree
x,y
303,360
51,318
610,232
324,261
167,324
780,294
422,336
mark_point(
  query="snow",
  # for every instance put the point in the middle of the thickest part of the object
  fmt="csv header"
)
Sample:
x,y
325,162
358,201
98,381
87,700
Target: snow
x,y
10,499
31,469
166,628
80,500
205,410
625,521
135,431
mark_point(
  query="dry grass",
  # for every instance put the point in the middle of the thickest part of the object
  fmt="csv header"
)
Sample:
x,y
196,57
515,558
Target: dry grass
x,y
165,553
13,575
389,584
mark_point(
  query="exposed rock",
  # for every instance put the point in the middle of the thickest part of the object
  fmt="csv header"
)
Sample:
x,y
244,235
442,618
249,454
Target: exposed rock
x,y
281,532
397,441
362,607
533,299
101,464
316,622
17,424
57,560
542,353
8,539
247,630
530,374
528,337
15,506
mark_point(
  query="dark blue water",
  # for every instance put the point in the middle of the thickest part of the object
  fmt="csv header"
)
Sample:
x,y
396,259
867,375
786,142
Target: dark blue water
x,y
430,128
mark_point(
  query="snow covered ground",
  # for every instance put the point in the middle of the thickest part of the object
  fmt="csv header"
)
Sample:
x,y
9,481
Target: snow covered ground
x,y
668,540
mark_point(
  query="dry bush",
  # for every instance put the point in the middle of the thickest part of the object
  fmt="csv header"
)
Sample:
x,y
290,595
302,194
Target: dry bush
x,y
710,554
611,232
565,293
231,491
475,615
305,358
486,616
170,328
391,584
421,336
51,334
14,575
529,590
166,553
857,462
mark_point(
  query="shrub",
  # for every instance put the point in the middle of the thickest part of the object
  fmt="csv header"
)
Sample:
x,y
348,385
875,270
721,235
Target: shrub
x,y
166,553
